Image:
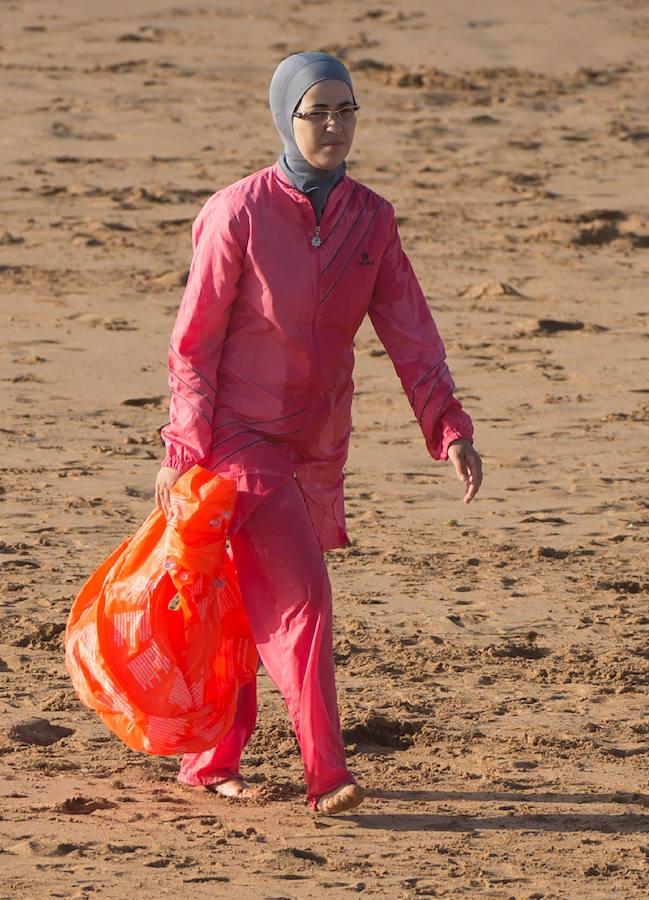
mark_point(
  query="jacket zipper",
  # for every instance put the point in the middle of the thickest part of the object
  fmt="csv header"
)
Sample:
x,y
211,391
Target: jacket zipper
x,y
315,243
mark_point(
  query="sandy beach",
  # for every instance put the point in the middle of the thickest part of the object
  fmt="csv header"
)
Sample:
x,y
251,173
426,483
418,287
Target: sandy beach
x,y
492,660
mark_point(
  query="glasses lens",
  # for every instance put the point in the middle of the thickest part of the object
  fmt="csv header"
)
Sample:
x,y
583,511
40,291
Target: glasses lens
x,y
320,116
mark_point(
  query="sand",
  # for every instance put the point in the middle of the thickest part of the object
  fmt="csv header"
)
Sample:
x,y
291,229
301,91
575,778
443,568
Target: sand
x,y
492,660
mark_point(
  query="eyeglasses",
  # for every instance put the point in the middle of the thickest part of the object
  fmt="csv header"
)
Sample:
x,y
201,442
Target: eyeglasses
x,y
345,115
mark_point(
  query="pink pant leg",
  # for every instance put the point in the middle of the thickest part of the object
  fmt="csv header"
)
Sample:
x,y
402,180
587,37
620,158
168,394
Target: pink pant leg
x,y
286,591
222,762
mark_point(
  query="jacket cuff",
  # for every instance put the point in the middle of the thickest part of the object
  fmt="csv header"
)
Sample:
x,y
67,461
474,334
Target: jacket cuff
x,y
177,461
450,435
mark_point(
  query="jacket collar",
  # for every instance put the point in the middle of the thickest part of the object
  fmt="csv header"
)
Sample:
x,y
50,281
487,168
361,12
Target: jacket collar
x,y
337,194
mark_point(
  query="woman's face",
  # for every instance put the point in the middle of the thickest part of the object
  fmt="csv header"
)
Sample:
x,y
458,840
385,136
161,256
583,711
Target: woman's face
x,y
325,144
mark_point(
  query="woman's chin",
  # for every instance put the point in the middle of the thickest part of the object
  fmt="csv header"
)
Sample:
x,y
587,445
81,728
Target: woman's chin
x,y
328,158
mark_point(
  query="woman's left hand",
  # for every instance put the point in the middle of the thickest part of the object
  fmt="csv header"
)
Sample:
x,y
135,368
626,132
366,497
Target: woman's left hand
x,y
468,466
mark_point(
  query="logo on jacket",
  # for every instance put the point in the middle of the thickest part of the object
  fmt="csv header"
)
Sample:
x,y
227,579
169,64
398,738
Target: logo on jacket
x,y
365,260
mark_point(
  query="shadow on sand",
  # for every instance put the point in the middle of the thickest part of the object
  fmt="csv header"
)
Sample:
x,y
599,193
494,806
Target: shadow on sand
x,y
419,820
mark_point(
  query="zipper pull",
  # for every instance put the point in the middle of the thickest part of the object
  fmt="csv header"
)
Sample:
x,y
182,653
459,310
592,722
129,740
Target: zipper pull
x,y
315,240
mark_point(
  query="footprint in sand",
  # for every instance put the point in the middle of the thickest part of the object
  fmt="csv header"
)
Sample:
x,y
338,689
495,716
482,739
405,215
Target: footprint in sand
x,y
517,649
295,858
40,847
146,34
7,238
42,637
110,324
553,326
39,732
391,17
598,227
491,290
381,730
26,378
174,279
156,402
63,130
83,806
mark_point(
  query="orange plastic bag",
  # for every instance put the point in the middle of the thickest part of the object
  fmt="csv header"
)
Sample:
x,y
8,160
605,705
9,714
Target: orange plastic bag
x,y
157,641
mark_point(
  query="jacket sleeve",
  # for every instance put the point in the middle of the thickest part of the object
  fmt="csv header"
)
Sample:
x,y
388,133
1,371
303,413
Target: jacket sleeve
x,y
405,326
198,334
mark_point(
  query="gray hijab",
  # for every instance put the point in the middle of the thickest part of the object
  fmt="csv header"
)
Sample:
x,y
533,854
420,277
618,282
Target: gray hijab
x,y
292,79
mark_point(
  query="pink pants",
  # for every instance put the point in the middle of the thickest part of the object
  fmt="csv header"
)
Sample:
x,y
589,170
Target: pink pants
x,y
287,595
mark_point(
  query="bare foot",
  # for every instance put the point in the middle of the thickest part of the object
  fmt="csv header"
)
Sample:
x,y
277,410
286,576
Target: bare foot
x,y
346,797
233,787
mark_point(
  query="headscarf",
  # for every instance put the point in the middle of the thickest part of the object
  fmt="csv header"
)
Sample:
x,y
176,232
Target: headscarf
x,y
292,79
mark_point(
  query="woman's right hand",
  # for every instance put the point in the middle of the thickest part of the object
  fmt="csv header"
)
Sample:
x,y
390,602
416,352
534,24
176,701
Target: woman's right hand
x,y
164,482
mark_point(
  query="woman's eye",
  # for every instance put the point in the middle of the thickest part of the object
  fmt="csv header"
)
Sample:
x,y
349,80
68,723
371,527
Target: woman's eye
x,y
322,115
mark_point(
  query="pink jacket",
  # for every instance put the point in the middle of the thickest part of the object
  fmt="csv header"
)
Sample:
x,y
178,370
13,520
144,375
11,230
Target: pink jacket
x,y
261,354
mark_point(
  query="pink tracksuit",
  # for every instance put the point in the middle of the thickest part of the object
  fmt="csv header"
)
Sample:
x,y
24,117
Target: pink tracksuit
x,y
260,365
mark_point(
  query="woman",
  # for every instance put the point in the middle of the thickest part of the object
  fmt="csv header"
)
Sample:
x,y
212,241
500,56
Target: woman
x,y
286,264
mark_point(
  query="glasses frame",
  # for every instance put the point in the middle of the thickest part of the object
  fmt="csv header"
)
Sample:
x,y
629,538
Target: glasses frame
x,y
335,114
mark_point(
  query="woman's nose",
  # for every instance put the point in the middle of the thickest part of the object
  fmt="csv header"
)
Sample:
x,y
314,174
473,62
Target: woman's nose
x,y
333,123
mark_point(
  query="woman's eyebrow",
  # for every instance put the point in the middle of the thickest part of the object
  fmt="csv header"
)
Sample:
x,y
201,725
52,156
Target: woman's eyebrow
x,y
315,106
